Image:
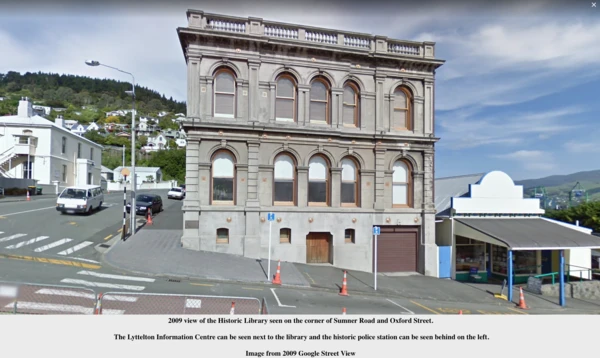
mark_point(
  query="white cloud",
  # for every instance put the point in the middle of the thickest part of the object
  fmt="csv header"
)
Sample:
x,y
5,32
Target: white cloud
x,y
469,128
585,147
531,160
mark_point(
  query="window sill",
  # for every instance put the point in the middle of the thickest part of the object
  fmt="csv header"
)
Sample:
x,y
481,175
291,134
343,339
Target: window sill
x,y
222,243
223,203
321,123
288,120
285,242
284,203
348,205
350,126
402,206
228,116
319,204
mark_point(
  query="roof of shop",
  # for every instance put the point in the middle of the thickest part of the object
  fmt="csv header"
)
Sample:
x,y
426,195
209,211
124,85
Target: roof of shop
x,y
452,187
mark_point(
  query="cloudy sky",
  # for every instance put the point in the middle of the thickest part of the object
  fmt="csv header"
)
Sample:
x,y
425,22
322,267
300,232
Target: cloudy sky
x,y
518,93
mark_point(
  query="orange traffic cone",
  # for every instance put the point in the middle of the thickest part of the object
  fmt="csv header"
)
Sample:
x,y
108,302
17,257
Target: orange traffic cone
x,y
344,310
149,222
522,304
460,312
344,291
28,197
277,278
232,308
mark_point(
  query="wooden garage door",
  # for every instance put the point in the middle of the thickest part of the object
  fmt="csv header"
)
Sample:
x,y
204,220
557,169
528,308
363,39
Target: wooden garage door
x,y
318,248
397,251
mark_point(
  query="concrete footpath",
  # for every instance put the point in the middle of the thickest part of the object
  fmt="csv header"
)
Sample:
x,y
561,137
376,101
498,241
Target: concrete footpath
x,y
158,252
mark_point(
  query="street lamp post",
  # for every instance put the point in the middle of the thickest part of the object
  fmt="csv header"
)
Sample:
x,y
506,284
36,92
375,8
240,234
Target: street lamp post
x,y
133,176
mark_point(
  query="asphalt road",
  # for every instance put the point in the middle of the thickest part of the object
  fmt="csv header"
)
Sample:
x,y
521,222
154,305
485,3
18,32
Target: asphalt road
x,y
35,229
59,274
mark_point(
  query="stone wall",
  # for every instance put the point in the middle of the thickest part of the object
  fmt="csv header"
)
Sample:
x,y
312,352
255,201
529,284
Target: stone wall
x,y
589,290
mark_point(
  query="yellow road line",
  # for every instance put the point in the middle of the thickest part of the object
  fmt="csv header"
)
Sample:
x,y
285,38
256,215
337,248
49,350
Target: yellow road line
x,y
108,237
311,279
120,230
200,284
2,217
425,307
252,288
521,312
51,261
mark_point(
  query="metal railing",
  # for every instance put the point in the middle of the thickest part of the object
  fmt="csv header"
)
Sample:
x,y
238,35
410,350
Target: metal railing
x,y
29,298
585,274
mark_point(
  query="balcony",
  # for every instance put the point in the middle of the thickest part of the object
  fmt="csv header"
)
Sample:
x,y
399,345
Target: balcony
x,y
25,145
267,30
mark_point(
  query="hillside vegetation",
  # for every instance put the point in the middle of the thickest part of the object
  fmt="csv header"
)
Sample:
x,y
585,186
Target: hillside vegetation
x,y
559,186
87,100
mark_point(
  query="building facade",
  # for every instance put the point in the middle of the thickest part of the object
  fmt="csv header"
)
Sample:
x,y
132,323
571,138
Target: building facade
x,y
332,131
32,147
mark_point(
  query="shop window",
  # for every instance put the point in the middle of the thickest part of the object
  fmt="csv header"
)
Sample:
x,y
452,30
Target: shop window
x,y
222,236
285,236
524,262
469,253
349,236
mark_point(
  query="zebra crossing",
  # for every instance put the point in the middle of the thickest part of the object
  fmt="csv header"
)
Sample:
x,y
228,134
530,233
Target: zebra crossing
x,y
68,299
45,244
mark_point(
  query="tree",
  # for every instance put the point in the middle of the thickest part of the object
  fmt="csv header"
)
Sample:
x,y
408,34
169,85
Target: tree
x,y
112,119
94,136
588,215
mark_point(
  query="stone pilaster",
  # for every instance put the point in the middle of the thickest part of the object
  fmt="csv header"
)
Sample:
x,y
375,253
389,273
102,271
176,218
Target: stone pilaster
x,y
419,122
191,174
302,187
303,105
428,108
204,189
203,97
379,102
428,181
209,102
272,97
336,187
253,161
337,104
253,91
379,179
193,77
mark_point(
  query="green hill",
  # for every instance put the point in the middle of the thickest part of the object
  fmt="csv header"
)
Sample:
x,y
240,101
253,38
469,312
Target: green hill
x,y
558,187
85,99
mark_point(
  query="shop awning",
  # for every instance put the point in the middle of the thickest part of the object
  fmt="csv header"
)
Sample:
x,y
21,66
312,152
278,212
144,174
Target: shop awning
x,y
525,234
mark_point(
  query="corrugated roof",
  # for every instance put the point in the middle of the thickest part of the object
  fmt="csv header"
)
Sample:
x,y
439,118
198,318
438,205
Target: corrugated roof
x,y
447,188
532,233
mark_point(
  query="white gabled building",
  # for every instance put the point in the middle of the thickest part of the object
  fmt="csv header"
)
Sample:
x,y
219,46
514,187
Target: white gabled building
x,y
35,148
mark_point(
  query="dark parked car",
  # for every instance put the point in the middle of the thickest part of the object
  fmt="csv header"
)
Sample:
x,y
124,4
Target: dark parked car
x,y
145,202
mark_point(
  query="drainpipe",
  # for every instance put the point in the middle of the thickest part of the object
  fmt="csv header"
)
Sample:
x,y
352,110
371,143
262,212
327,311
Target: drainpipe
x,y
577,222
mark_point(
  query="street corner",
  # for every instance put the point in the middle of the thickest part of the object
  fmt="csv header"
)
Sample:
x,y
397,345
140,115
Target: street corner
x,y
460,308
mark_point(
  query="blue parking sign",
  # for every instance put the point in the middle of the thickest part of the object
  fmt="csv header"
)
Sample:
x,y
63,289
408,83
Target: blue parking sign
x,y
271,216
376,230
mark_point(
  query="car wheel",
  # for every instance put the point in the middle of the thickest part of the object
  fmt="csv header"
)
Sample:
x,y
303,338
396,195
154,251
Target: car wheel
x,y
90,210
99,206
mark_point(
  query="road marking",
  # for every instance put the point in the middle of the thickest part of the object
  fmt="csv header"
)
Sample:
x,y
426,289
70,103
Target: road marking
x,y
120,230
252,288
102,284
2,217
86,260
51,261
52,307
521,312
493,312
311,279
404,308
29,211
119,298
12,237
77,247
193,303
54,244
115,277
28,242
279,302
425,307
201,284
108,237
53,292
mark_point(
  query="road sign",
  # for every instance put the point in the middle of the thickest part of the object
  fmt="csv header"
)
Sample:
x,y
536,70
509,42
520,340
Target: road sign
x,y
125,172
376,230
271,216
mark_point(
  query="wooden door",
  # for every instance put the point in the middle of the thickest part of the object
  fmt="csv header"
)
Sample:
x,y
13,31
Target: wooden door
x,y
318,248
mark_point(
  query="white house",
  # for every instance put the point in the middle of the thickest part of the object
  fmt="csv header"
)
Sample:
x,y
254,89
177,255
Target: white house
x,y
68,123
155,144
33,147
144,174
42,110
181,142
81,129
106,173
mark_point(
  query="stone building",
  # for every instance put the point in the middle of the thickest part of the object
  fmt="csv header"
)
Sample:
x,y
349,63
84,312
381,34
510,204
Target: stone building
x,y
332,131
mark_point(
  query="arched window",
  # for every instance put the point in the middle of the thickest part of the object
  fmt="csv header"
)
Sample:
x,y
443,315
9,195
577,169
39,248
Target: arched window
x,y
318,181
285,99
402,116
222,236
350,188
319,101
285,236
223,178
402,186
350,111
284,188
224,100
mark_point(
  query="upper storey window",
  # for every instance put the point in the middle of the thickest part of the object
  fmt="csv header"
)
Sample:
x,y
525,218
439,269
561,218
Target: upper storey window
x,y
285,99
224,94
350,111
402,116
319,101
